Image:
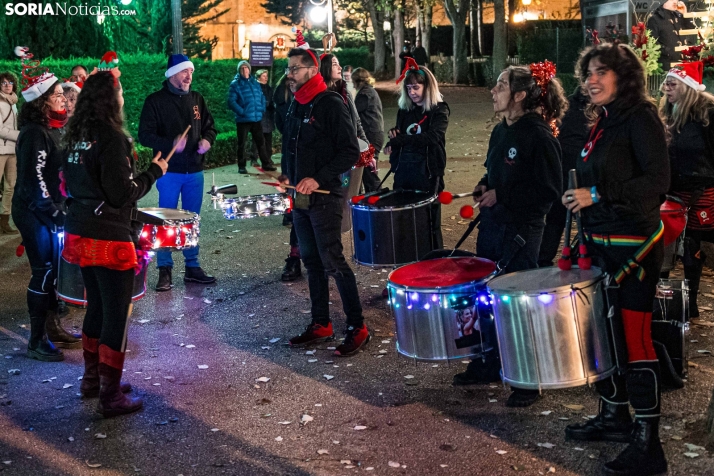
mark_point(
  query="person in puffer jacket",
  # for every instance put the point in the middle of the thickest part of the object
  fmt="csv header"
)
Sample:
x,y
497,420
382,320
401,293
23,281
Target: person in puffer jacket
x,y
246,100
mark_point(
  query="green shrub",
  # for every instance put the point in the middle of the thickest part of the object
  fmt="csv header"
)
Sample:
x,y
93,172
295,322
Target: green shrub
x,y
444,72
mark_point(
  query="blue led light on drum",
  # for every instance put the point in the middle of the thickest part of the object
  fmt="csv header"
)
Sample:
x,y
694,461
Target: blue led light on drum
x,y
545,298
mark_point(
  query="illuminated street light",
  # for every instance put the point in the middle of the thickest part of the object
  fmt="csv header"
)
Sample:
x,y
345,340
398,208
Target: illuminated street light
x,y
318,14
387,25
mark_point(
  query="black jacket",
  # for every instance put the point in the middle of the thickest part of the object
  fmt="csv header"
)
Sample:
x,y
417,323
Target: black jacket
x,y
281,104
630,167
267,122
39,158
691,156
574,131
523,166
166,115
420,146
103,169
369,108
420,56
319,141
665,25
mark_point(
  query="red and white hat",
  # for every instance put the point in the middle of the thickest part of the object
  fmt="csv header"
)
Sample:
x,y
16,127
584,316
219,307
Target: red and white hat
x,y
74,85
36,79
690,74
300,41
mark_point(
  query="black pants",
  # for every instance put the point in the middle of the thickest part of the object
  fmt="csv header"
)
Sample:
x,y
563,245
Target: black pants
x,y
319,233
108,302
268,145
640,385
256,131
496,241
42,249
552,233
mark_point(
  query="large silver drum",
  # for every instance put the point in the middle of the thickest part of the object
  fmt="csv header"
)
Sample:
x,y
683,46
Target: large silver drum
x,y
441,308
552,327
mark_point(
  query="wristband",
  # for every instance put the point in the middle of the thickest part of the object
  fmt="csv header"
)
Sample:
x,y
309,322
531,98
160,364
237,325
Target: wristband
x,y
593,194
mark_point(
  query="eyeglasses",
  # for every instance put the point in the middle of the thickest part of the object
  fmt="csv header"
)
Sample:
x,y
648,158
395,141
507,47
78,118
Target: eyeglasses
x,y
8,83
294,69
669,84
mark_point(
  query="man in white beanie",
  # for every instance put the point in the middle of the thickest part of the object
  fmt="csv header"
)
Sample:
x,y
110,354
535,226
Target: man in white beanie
x,y
164,118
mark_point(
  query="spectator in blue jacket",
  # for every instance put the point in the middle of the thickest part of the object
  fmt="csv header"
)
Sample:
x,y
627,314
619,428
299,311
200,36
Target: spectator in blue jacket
x,y
246,100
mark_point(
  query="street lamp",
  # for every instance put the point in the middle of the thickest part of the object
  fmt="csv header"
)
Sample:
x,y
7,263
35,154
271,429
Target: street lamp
x,y
319,12
526,2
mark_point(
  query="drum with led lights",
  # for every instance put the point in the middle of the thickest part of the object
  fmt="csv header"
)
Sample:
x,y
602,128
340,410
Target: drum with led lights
x,y
442,309
253,206
392,228
167,229
552,327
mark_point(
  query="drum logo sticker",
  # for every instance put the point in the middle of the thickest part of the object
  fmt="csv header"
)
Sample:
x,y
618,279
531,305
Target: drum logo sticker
x,y
511,156
196,113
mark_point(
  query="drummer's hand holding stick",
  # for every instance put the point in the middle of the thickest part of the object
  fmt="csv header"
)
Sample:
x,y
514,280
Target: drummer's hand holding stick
x,y
575,199
179,144
163,164
487,197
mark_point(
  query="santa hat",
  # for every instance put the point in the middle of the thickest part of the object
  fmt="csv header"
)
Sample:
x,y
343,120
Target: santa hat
x,y
36,79
177,63
690,74
73,85
300,41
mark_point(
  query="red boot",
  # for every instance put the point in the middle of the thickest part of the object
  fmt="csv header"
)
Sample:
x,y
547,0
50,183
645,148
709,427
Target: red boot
x,y
112,402
90,382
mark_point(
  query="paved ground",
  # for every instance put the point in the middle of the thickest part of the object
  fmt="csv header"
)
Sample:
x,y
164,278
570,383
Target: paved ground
x,y
221,420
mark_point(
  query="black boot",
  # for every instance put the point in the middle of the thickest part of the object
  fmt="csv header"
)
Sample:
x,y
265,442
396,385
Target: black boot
x,y
613,423
58,335
197,275
39,347
644,456
292,270
480,371
164,283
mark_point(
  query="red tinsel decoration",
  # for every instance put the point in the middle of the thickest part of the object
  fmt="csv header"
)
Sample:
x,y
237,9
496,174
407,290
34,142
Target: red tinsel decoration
x,y
543,72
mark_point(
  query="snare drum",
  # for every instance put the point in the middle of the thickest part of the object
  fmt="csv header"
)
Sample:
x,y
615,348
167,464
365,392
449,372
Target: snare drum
x,y
396,230
70,285
441,308
167,229
670,321
673,213
255,206
552,327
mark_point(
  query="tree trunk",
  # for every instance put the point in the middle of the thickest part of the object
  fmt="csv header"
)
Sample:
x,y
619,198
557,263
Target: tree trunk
x,y
474,8
500,38
426,31
398,37
710,422
457,16
419,19
380,50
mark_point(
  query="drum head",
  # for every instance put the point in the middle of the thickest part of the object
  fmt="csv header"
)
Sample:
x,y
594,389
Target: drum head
x,y
442,272
543,280
168,214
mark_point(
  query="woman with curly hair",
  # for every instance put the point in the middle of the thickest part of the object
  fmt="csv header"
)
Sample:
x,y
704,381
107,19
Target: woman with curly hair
x,y
689,113
623,171
523,178
103,187
38,208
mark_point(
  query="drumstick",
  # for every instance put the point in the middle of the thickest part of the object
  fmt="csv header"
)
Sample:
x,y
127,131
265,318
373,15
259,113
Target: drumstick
x,y
584,261
565,263
183,136
276,184
446,198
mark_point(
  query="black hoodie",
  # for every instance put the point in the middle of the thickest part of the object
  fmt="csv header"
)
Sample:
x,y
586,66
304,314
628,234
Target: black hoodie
x,y
630,167
523,166
166,115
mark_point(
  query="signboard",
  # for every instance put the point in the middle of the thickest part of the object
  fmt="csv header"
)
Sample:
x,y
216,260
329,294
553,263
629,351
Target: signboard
x,y
261,54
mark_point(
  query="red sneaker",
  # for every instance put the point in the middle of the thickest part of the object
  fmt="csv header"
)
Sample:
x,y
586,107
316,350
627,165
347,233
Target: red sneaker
x,y
355,338
313,334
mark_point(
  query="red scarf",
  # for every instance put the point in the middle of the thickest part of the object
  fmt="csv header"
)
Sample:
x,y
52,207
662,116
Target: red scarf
x,y
309,90
58,119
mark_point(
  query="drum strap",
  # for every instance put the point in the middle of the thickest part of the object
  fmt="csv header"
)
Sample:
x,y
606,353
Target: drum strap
x,y
633,263
101,207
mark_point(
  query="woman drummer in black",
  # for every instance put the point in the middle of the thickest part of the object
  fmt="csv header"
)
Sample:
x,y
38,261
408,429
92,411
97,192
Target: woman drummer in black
x,y
623,172
689,113
417,145
523,178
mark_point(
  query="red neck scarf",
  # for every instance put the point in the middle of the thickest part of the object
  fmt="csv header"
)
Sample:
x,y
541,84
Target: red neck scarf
x,y
309,90
58,119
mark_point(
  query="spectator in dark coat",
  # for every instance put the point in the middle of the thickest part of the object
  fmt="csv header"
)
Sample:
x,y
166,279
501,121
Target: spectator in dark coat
x,y
247,102
369,108
404,55
419,53
665,24
267,122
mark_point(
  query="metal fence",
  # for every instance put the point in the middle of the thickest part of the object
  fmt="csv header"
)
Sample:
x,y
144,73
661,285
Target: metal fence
x,y
654,85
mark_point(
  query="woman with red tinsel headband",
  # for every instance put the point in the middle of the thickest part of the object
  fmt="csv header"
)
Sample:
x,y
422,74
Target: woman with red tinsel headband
x,y
38,205
103,187
623,170
523,178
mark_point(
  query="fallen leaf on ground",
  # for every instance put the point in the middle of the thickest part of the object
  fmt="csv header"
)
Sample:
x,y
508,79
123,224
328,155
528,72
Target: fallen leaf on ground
x,y
312,361
394,464
274,340
284,422
501,452
215,430
360,427
306,419
143,321
546,413
699,322
546,445
328,377
691,455
279,438
704,351
190,346
310,352
203,367
93,465
577,408
100,436
345,461
408,376
323,452
692,447
263,379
